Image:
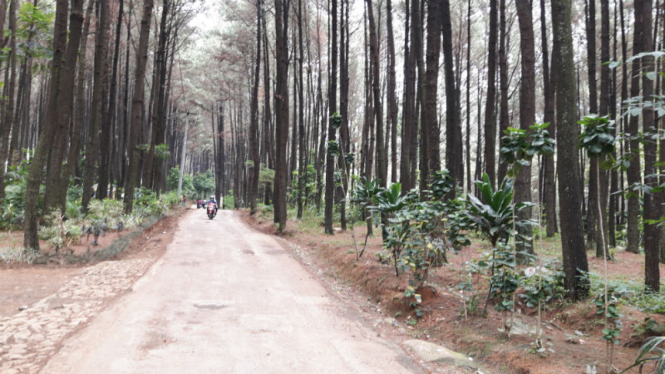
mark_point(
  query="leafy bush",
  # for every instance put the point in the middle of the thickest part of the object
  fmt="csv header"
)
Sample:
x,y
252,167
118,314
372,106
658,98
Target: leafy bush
x,y
204,183
543,284
229,202
417,234
59,233
493,215
73,209
110,209
74,192
187,182
16,255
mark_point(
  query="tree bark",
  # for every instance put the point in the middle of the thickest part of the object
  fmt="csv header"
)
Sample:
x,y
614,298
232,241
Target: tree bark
x,y
282,110
30,238
332,109
254,125
643,34
604,110
430,125
549,184
490,123
468,98
109,118
409,122
381,165
454,141
91,151
592,214
504,117
79,114
572,236
344,136
527,110
634,170
392,87
10,97
137,106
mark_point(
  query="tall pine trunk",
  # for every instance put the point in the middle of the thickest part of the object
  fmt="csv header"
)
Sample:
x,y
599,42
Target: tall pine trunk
x,y
381,162
643,33
282,110
527,108
430,126
332,109
254,125
137,107
490,120
549,183
454,141
572,235
96,111
36,173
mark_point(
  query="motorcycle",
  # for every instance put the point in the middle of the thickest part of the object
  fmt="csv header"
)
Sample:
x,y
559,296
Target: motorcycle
x,y
211,211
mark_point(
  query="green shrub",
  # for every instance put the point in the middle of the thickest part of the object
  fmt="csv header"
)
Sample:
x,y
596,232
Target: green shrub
x,y
73,209
109,209
59,233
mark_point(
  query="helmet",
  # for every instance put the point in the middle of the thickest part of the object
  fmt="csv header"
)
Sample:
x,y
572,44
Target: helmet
x,y
212,198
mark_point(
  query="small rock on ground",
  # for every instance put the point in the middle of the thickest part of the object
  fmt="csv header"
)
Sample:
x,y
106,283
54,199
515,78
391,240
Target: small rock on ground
x,y
435,353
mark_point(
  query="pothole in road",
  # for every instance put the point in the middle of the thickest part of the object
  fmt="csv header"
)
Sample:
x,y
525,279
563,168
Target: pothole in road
x,y
248,252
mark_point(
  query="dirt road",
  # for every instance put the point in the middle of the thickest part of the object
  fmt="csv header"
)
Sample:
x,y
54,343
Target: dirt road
x,y
227,299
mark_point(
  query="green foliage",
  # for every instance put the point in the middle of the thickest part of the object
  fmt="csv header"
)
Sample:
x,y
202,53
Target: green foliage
x,y
59,233
648,327
162,151
597,136
366,192
187,182
417,233
494,214
17,255
542,284
73,209
504,280
74,192
613,325
267,176
333,148
112,209
15,184
336,121
309,183
391,200
229,201
442,184
651,352
349,158
519,146
34,32
204,183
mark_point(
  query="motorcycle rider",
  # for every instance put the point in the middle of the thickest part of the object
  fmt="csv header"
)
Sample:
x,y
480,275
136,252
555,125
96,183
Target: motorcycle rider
x,y
212,201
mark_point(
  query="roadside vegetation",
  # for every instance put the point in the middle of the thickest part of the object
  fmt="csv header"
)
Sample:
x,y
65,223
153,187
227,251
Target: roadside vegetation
x,y
60,230
511,268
